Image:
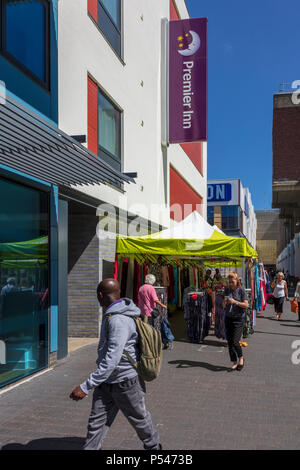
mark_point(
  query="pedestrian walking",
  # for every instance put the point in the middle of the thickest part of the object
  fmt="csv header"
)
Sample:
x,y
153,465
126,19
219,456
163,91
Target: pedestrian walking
x,y
116,383
297,298
280,293
147,299
235,303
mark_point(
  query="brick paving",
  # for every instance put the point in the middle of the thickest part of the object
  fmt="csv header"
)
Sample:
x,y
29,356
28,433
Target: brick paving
x,y
195,403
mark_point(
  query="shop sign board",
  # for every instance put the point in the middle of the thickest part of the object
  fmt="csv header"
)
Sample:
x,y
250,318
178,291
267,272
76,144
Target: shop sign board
x,y
188,80
223,193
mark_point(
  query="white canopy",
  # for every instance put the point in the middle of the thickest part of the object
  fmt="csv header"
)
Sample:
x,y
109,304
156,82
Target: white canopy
x,y
194,226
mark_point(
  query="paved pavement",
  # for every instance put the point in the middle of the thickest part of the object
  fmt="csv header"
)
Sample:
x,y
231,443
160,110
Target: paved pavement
x,y
195,403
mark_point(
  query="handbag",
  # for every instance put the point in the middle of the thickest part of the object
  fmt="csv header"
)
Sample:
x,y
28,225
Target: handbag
x,y
294,306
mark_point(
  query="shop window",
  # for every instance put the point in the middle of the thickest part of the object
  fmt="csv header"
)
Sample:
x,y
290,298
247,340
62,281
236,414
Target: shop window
x,y
25,36
109,21
231,218
24,287
109,132
210,215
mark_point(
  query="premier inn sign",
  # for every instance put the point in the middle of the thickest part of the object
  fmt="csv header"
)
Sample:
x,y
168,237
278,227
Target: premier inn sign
x,y
188,80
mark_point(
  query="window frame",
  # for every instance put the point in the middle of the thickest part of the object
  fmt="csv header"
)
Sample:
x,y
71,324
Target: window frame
x,y
101,149
236,217
119,30
43,83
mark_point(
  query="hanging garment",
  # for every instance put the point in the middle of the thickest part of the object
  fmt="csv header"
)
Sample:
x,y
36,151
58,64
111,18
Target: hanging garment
x,y
162,295
165,280
124,277
198,321
129,287
136,281
185,299
248,324
120,268
146,270
142,280
185,278
179,287
175,298
191,277
258,298
171,288
156,270
220,317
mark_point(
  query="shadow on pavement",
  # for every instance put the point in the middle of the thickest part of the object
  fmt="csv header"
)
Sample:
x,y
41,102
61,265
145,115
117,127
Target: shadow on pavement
x,y
280,334
205,365
51,443
211,342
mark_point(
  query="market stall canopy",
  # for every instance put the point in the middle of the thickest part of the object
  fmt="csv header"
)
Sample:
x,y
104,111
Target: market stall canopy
x,y
193,237
29,252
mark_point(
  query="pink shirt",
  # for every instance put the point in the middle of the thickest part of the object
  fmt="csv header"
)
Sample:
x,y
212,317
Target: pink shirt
x,y
147,298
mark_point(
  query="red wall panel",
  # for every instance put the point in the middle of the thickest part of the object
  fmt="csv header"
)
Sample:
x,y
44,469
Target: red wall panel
x,y
194,152
181,193
93,9
173,12
92,136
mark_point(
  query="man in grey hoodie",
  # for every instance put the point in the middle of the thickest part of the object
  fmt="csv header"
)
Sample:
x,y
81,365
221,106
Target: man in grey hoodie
x,y
116,383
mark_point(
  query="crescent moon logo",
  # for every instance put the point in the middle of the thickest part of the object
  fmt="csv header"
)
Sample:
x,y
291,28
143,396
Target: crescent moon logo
x,y
193,47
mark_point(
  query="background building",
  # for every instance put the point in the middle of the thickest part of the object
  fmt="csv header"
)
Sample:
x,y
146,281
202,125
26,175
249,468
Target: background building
x,y
229,206
268,236
286,177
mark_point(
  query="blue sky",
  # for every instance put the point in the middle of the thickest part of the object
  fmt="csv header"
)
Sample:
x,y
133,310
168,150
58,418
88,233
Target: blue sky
x,y
252,48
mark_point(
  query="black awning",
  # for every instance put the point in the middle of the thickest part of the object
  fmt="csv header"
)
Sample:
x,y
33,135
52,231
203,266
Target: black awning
x,y
32,145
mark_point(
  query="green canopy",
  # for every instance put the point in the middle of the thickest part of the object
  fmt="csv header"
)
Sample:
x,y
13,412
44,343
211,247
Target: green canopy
x,y
193,237
30,249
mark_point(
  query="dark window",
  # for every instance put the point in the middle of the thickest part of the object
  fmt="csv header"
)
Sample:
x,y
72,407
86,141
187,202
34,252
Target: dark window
x,y
109,131
231,218
24,280
210,215
25,36
109,21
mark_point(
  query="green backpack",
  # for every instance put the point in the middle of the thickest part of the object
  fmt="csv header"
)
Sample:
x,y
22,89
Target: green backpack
x,y
150,348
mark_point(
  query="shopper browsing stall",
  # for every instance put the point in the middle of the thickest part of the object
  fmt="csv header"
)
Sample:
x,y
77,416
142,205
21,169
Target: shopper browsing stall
x,y
235,303
148,299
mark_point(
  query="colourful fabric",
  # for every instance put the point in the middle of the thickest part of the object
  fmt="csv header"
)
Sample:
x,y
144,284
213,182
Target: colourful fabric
x,y
136,281
124,277
175,298
146,299
142,274
165,280
116,267
171,288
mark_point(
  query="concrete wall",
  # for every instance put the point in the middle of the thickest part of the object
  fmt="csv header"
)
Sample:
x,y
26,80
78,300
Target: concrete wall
x,y
289,258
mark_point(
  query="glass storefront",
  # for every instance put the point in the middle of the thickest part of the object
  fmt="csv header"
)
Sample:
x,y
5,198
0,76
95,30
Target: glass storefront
x,y
24,280
231,217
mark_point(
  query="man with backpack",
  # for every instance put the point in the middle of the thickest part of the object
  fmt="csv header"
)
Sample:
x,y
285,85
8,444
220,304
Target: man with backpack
x,y
117,383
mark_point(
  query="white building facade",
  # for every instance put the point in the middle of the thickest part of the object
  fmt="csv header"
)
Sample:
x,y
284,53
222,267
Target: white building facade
x,y
112,92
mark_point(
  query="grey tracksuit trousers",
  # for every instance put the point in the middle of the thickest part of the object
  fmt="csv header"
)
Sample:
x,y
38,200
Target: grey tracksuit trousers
x,y
129,397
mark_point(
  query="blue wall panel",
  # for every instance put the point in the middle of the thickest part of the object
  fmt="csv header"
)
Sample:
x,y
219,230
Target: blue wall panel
x,y
25,88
